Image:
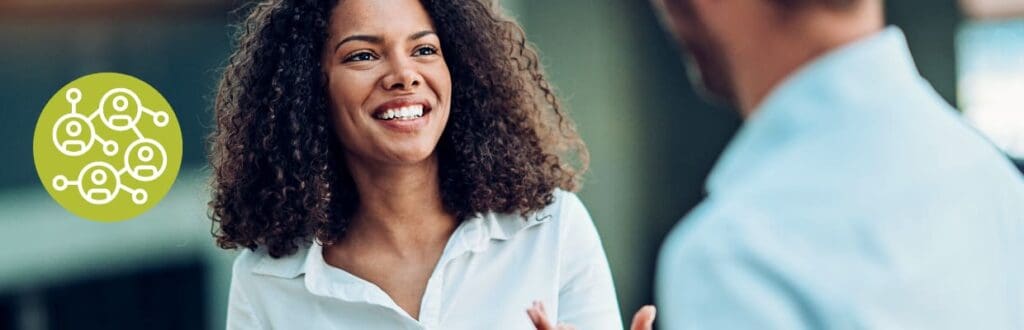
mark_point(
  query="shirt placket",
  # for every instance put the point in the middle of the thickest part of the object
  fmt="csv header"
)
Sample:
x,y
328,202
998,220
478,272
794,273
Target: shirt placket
x,y
470,238
431,310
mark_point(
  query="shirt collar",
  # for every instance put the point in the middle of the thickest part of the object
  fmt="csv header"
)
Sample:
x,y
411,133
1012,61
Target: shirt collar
x,y
827,89
472,235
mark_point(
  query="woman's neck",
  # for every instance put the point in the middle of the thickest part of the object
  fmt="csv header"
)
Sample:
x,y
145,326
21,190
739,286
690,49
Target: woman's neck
x,y
400,207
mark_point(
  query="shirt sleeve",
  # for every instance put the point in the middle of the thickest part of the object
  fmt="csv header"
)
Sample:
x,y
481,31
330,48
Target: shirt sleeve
x,y
587,295
240,313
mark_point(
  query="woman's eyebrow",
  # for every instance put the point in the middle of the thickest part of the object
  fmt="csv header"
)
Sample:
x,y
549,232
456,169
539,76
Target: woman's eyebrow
x,y
421,34
378,39
359,37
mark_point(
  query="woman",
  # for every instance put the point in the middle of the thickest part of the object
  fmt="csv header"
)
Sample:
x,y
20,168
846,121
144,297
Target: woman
x,y
399,164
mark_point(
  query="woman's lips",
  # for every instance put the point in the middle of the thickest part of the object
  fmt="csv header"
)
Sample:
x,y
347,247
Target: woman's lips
x,y
405,125
403,115
401,104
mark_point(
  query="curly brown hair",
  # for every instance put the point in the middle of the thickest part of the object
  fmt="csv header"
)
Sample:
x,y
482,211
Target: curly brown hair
x,y
277,181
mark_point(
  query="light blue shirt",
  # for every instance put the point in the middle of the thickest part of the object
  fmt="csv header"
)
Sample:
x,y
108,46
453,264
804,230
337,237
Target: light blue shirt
x,y
853,198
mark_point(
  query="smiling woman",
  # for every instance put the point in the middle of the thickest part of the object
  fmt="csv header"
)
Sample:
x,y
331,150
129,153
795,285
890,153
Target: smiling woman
x,y
399,164
385,79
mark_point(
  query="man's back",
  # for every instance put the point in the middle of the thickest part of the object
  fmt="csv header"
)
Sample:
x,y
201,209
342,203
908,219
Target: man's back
x,y
854,197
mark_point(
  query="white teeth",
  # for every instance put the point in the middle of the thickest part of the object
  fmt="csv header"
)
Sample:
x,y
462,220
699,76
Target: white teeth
x,y
403,113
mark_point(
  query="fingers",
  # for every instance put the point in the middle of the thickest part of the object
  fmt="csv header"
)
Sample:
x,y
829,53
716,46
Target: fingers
x,y
539,317
644,318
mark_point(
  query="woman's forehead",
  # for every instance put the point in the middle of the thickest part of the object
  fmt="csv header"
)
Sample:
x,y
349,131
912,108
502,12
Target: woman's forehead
x,y
379,17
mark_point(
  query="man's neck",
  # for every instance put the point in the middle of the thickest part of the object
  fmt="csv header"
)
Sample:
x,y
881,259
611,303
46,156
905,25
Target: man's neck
x,y
768,60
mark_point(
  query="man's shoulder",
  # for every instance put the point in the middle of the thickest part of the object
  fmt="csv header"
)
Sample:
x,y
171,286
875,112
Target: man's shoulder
x,y
755,224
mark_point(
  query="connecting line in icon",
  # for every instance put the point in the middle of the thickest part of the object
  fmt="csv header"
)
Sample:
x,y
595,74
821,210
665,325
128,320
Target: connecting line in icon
x,y
100,182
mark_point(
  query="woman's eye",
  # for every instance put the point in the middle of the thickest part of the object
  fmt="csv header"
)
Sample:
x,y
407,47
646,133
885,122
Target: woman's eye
x,y
358,57
425,51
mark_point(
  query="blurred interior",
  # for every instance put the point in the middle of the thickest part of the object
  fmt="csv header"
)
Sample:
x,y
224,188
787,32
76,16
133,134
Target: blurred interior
x,y
652,139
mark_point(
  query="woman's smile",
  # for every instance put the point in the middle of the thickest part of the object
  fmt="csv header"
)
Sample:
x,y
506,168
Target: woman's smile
x,y
403,115
388,83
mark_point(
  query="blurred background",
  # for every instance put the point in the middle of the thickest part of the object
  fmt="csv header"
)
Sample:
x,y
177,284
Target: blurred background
x,y
652,140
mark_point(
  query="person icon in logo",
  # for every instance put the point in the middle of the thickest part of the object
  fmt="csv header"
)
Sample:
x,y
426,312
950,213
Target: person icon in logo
x,y
145,160
73,134
120,109
98,183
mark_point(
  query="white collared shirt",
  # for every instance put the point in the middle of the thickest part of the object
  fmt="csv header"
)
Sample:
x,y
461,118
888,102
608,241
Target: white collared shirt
x,y
492,268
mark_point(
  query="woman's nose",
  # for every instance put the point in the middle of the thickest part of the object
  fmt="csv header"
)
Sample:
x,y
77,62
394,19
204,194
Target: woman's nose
x,y
402,77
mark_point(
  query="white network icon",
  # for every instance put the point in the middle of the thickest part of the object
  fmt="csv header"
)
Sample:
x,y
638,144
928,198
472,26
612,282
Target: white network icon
x,y
116,113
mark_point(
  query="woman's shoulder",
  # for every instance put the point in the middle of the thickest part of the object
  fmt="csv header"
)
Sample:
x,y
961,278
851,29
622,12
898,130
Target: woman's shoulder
x,y
565,207
564,226
565,213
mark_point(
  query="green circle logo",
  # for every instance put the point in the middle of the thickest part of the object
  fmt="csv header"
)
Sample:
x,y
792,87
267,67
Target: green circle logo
x,y
107,147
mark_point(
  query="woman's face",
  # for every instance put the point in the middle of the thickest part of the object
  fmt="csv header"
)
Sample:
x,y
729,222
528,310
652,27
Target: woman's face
x,y
388,84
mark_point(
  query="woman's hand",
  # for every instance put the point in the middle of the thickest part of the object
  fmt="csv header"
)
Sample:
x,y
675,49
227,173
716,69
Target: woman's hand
x,y
642,320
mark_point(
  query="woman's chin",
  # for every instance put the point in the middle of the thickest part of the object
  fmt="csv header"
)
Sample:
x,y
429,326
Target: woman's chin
x,y
412,155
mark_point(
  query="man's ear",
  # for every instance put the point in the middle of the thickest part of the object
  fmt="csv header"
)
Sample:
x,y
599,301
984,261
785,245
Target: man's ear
x,y
671,7
682,9
661,11
671,12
